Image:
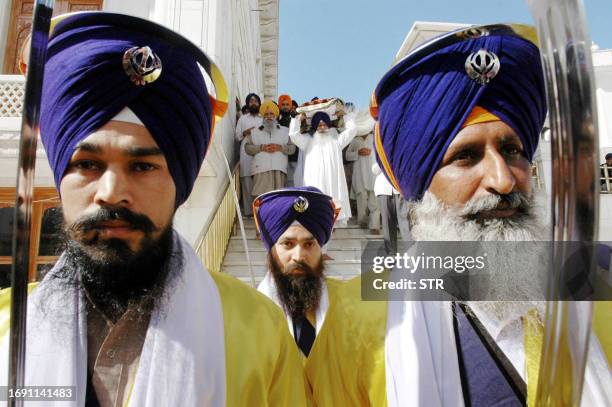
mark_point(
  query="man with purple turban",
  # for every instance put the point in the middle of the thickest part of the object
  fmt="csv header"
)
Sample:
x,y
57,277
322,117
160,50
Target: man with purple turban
x,y
129,315
458,124
245,126
294,224
323,166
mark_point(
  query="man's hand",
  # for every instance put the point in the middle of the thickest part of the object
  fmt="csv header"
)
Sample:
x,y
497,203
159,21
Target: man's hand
x,y
364,151
273,148
247,132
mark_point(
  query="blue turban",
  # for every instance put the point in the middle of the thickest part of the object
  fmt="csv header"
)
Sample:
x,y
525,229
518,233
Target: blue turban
x,y
275,211
252,95
86,85
317,118
425,98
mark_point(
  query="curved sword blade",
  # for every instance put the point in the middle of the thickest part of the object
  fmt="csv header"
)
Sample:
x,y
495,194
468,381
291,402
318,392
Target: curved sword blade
x,y
43,10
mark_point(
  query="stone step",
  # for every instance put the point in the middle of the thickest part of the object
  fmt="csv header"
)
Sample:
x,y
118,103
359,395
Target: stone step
x,y
342,243
344,268
250,224
259,278
235,256
338,233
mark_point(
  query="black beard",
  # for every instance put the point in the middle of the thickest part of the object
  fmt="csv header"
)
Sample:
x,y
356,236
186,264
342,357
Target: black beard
x,y
301,293
254,109
112,275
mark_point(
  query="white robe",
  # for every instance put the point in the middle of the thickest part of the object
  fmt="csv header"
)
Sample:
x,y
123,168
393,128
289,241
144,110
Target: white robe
x,y
323,166
432,378
363,177
183,356
246,122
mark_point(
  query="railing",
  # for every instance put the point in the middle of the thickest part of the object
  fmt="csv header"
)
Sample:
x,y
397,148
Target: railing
x,y
606,179
535,175
12,91
212,243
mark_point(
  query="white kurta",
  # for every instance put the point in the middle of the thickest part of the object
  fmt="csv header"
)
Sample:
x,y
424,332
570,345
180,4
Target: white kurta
x,y
323,162
245,122
363,177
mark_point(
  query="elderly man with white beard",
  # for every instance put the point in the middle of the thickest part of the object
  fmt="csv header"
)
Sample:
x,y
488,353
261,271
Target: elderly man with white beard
x,y
270,147
323,158
457,141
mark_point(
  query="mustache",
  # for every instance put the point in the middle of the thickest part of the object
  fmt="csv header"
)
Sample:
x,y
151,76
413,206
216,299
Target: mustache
x,y
136,221
299,265
513,200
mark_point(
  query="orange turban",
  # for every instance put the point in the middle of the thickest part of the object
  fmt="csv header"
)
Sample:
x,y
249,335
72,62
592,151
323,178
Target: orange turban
x,y
479,115
284,97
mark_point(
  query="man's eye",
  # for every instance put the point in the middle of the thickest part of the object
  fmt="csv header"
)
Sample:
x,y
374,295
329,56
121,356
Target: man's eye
x,y
465,156
308,245
512,150
143,167
87,165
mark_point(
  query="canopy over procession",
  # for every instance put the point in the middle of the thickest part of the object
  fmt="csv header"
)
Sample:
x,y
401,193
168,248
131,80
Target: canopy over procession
x,y
441,243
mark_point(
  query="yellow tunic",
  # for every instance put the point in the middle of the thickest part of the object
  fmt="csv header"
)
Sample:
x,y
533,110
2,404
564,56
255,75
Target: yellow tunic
x,y
346,366
263,366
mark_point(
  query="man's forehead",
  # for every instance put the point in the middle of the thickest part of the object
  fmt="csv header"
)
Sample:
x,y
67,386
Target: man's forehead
x,y
296,232
481,133
120,135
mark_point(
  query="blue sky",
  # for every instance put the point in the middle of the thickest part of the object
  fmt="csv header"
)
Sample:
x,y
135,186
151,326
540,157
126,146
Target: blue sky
x,y
342,48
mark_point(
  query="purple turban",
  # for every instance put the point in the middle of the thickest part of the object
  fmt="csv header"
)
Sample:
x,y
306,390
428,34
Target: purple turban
x,y
426,97
275,211
87,83
317,118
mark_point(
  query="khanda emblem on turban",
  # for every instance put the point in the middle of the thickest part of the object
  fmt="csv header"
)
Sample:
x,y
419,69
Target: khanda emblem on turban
x,y
300,204
482,66
141,65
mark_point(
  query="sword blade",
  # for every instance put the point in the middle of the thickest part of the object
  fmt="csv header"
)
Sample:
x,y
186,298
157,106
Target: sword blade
x,y
568,69
43,10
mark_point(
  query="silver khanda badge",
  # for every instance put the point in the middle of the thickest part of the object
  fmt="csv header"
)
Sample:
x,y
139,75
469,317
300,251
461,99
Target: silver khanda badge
x,y
300,204
141,65
482,66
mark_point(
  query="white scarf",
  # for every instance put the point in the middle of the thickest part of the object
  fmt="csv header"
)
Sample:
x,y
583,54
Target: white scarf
x,y
421,363
268,288
183,357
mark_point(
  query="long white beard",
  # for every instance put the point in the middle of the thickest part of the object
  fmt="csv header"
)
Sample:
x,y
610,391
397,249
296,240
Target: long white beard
x,y
326,137
432,220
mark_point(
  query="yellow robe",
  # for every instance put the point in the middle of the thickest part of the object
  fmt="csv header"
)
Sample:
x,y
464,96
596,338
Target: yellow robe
x,y
263,366
346,367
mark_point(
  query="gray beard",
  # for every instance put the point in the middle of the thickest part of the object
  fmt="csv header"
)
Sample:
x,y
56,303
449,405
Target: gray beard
x,y
432,220
268,125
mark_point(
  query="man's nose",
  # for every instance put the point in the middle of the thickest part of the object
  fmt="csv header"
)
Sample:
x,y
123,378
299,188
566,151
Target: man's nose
x,y
297,253
113,189
498,177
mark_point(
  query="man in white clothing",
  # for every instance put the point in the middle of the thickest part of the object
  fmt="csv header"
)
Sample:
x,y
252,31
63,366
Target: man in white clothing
x,y
323,158
245,126
269,145
361,152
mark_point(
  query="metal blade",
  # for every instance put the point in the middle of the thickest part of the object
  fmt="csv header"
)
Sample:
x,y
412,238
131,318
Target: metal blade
x,y
566,55
43,10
